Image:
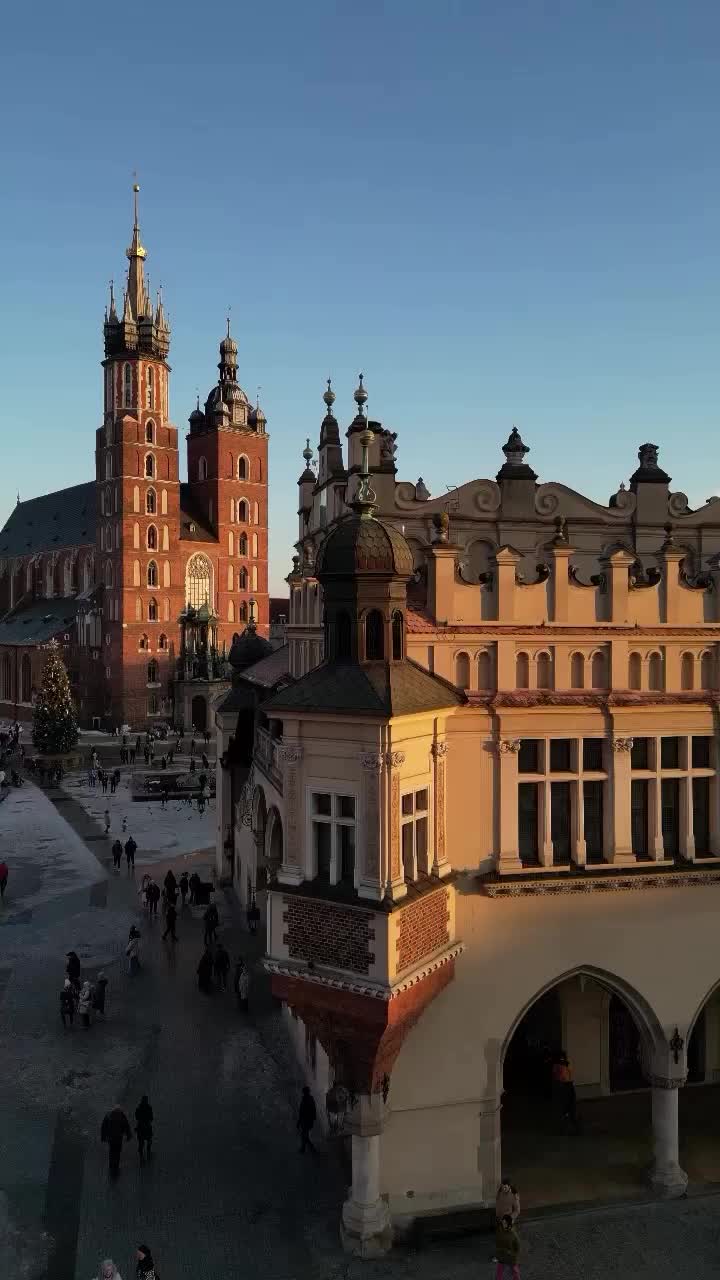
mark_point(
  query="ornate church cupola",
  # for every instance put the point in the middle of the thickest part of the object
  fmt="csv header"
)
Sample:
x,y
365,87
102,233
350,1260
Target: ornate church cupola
x,y
227,404
364,566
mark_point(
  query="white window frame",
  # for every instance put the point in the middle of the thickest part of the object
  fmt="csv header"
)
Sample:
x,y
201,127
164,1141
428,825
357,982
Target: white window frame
x,y
334,788
410,819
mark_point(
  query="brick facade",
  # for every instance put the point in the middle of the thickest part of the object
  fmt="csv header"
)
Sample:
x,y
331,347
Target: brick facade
x,y
422,929
328,934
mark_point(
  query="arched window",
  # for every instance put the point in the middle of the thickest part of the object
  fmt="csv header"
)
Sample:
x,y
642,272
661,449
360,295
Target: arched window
x,y
484,664
108,573
635,671
152,538
577,671
152,671
166,610
242,579
166,573
25,679
243,544
127,385
136,498
462,670
152,574
687,671
707,665
655,671
243,612
231,610
243,511
243,467
397,635
143,642
198,581
7,678
162,642
374,636
152,611
150,430
598,671
543,671
202,469
149,466
108,465
150,388
522,671
258,470
150,502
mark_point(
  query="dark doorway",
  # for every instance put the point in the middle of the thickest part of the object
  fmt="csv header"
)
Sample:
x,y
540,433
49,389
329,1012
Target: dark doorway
x,y
670,794
625,1049
560,821
199,713
696,1051
528,1061
528,821
639,817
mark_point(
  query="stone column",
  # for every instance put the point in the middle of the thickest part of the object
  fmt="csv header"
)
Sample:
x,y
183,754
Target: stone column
x,y
687,829
291,870
620,783
440,864
655,835
546,844
579,850
365,1229
507,800
666,1177
373,868
396,887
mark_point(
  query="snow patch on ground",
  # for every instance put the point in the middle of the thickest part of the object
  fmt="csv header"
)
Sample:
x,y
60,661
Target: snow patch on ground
x,y
159,833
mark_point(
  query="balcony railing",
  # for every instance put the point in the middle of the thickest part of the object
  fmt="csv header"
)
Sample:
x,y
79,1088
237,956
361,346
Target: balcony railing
x,y
266,757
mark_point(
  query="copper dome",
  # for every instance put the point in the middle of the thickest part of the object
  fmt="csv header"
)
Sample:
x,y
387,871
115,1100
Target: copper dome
x,y
361,544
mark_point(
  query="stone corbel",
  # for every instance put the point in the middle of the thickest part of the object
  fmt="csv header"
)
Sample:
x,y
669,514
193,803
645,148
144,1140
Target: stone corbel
x,y
509,746
622,744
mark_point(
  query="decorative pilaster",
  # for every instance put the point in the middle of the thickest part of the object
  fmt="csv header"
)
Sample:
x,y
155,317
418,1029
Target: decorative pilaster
x,y
622,851
396,886
507,783
289,755
440,864
372,879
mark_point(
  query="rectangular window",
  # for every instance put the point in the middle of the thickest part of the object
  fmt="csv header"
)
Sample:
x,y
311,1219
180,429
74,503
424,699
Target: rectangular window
x,y
669,753
528,821
414,832
593,798
560,821
333,821
701,753
640,754
529,756
593,755
639,817
670,799
701,814
560,755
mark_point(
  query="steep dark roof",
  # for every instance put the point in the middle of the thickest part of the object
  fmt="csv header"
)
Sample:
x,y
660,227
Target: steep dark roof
x,y
65,518
189,516
40,621
376,688
269,671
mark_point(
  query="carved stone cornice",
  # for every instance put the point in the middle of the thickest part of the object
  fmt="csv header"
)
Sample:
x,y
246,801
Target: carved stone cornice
x,y
602,883
439,749
622,744
358,987
290,753
665,1082
372,761
395,759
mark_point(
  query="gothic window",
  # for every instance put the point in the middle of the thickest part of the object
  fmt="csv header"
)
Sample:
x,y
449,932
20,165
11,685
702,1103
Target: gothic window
x,y
150,502
635,671
258,470
25,679
242,579
166,610
655,672
162,642
166,539
243,511
150,430
152,671
243,612
152,705
374,636
87,581
202,469
152,538
108,573
150,390
462,671
166,573
243,544
231,611
67,581
108,538
127,385
243,468
543,671
198,581
7,678
706,670
28,576
522,671
152,574
152,611
149,466
687,671
232,510
108,466
397,635
143,642
597,671
577,671
107,501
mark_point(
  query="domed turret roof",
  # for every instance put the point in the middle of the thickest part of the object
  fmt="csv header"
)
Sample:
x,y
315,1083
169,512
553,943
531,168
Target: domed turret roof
x,y
248,648
362,544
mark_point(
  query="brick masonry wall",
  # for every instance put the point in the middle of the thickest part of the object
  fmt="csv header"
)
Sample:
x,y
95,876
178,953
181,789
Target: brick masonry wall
x,y
328,934
423,928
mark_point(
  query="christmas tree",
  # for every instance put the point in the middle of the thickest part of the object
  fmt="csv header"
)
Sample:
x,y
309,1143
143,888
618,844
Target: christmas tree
x,y
54,721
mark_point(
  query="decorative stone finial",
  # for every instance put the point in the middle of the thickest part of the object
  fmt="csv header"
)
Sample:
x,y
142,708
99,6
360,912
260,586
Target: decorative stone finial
x,y
329,396
669,542
366,498
307,452
360,397
441,525
514,449
561,538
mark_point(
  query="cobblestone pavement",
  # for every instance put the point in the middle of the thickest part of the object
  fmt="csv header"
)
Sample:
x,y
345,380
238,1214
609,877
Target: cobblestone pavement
x,y
227,1193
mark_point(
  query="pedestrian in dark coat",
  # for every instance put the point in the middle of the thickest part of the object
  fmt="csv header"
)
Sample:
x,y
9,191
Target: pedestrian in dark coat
x,y
130,850
204,971
115,1129
99,993
221,965
170,918
307,1115
170,882
117,853
507,1248
72,969
144,1127
212,920
194,883
154,894
184,886
67,1004
106,820
145,1269
4,873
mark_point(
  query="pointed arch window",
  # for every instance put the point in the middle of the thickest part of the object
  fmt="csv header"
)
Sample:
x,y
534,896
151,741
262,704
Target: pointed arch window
x,y
152,538
152,574
231,542
108,465
149,466
374,636
152,611
151,502
143,642
243,544
243,612
163,641
108,573
150,430
231,610
256,513
198,581
243,467
152,672
150,388
202,469
127,385
242,579
138,609
243,511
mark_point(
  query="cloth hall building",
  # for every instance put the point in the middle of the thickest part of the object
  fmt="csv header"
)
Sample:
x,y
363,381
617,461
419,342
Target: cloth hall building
x,y
142,578
479,807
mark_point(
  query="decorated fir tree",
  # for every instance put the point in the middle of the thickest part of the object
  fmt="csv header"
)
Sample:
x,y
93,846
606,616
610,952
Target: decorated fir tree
x,y
54,721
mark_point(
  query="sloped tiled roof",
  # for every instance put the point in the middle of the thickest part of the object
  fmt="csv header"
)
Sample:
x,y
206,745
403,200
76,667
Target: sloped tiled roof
x,y
271,670
40,621
376,688
65,518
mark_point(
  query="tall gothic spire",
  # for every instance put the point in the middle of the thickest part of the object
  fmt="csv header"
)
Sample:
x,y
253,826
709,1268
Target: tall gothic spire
x,y
139,302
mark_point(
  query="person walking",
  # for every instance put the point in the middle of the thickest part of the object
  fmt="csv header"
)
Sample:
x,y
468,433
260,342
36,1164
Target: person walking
x,y
507,1248
115,1130
144,1128
72,969
104,780
132,951
67,1003
194,883
154,895
211,920
170,882
221,965
106,819
117,853
145,1269
184,886
130,850
307,1115
99,993
204,971
241,985
170,919
133,753
108,1271
507,1201
4,873
85,1003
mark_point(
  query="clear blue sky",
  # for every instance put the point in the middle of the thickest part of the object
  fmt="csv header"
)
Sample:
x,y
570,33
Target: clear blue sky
x,y
502,212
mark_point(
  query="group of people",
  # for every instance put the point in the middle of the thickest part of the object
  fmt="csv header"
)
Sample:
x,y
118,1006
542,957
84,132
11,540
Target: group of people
x,y
144,1267
115,1130
82,997
214,970
97,774
129,849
